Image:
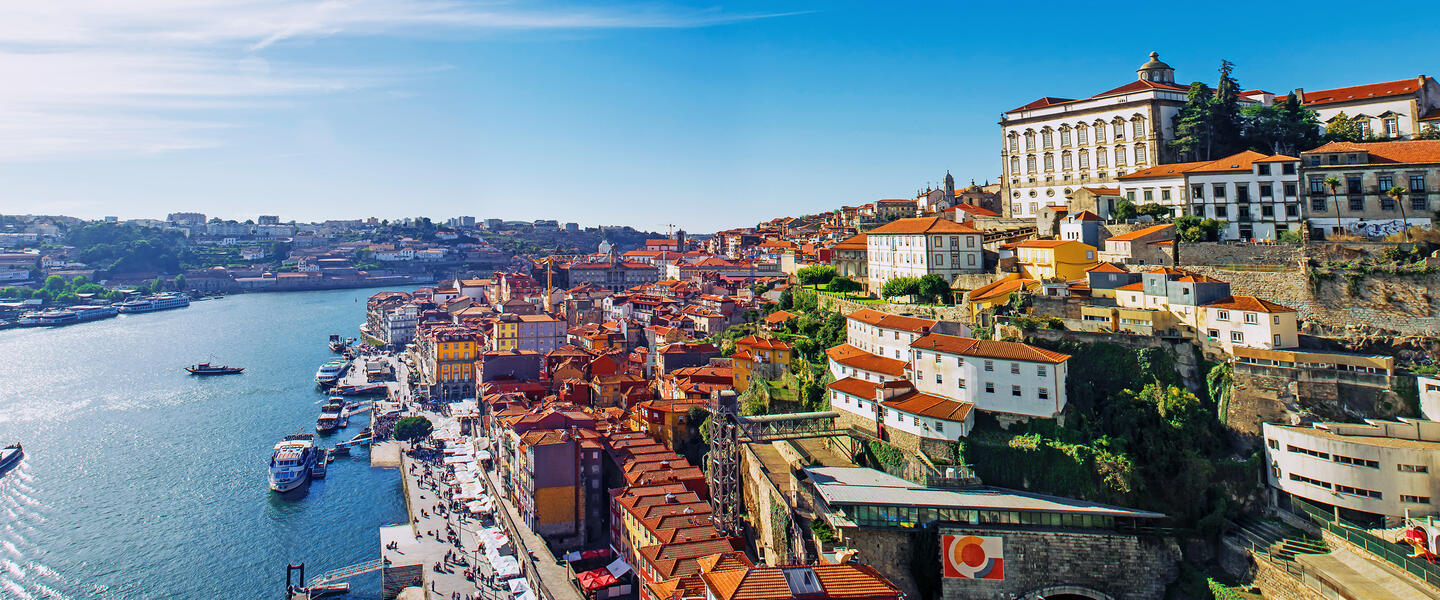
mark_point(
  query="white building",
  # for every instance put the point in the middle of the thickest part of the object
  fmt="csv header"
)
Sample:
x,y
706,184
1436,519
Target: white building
x,y
400,325
1254,194
885,334
1249,322
252,253
1392,109
1429,396
395,255
898,406
1377,468
922,246
846,360
1001,377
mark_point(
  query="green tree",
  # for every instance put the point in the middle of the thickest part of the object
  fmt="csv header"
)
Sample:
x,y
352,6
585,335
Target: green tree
x,y
1226,120
1341,128
900,286
180,281
54,284
1192,124
933,287
1159,212
1428,132
1301,128
1332,183
412,429
1396,195
1125,210
844,285
815,275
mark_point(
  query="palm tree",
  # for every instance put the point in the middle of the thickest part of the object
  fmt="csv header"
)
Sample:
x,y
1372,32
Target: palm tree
x,y
1395,193
1333,183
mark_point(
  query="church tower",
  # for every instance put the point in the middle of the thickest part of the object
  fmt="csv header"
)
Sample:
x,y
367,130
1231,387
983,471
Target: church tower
x,y
949,189
1155,71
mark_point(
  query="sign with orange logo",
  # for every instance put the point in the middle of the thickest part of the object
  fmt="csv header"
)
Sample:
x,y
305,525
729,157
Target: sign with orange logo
x,y
973,556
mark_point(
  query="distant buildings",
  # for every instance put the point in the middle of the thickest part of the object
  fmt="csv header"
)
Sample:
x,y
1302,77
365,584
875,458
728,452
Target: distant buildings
x,y
1254,194
1366,171
1392,109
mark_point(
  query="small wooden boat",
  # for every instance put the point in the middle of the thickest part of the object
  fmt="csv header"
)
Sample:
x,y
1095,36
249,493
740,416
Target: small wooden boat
x,y
209,369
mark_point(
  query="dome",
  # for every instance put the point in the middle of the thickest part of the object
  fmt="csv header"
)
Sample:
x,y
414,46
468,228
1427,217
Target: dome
x,y
1155,71
1154,63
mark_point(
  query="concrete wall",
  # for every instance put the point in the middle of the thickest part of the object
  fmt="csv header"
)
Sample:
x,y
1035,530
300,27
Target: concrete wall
x,y
1124,567
1280,394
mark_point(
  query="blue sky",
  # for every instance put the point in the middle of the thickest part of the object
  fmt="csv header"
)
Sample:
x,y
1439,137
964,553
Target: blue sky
x,y
706,115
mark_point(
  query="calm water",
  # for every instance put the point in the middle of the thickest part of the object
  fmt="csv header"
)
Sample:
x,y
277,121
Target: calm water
x,y
141,481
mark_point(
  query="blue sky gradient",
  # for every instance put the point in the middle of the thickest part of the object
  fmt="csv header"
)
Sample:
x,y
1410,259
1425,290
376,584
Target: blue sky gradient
x,y
706,116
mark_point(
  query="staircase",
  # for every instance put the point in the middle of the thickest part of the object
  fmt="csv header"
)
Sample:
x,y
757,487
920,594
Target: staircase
x,y
1275,541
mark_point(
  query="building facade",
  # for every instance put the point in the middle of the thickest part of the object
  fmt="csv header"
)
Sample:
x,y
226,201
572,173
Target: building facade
x,y
1377,470
922,246
1391,109
1366,171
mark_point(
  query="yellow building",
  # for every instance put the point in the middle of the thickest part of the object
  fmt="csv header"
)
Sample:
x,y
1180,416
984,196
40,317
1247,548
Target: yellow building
x,y
767,358
995,294
506,335
1049,259
447,361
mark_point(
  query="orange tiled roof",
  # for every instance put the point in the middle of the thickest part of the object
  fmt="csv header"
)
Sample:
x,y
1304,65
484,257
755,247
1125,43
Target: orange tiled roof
x,y
1249,303
1139,233
851,356
1359,92
922,225
855,387
1106,267
1004,287
1133,287
1401,152
1044,243
929,405
953,344
853,243
837,582
888,321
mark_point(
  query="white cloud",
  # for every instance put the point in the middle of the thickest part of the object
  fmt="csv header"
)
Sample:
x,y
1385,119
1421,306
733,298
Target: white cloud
x,y
101,77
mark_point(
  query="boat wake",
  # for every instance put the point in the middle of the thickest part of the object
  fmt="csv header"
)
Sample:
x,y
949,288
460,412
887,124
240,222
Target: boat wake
x,y
21,577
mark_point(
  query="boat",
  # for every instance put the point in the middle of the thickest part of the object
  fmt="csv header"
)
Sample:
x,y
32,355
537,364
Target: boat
x,y
332,416
206,368
336,345
331,372
364,389
49,318
94,312
292,461
154,303
10,456
322,464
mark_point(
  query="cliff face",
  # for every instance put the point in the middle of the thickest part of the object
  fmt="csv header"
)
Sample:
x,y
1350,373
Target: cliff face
x,y
1371,305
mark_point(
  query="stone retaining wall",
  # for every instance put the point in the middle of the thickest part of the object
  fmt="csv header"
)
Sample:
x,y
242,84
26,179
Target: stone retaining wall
x,y
1122,566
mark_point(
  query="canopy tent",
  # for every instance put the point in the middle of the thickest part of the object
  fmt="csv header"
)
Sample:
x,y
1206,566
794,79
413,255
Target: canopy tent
x,y
618,568
456,459
595,579
482,454
506,567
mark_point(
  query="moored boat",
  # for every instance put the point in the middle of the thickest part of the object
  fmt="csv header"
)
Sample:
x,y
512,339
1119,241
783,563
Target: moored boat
x,y
49,318
331,372
364,389
332,416
154,303
291,462
336,345
209,369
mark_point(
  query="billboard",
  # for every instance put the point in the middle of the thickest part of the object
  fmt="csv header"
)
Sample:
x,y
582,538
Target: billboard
x,y
973,556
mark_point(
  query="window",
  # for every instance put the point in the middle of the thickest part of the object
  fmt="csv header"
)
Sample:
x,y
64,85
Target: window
x,y
1299,450
1099,133
1242,192
1140,156
1119,156
1266,190
1014,143
1082,136
1304,479
1044,393
1030,164
1237,337
1222,315
1139,127
1040,370
1274,445
1354,491
970,242
1384,182
1213,333
1353,185
1064,137
960,383
1049,162
1288,168
1263,168
937,358
1290,190
1014,390
1029,140
1414,499
1014,368
1165,196
989,365
1149,196
1217,191
989,387
1084,157
1413,468
1357,203
939,259
1252,318
1100,158
939,426
1359,462
1045,139
937,379
1065,161
1417,183
1392,127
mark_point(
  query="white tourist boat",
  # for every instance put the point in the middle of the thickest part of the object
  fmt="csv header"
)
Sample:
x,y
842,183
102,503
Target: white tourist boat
x,y
154,303
331,372
292,461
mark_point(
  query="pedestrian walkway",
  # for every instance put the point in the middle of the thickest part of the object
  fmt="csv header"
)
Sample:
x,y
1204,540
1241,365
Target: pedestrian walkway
x,y
555,579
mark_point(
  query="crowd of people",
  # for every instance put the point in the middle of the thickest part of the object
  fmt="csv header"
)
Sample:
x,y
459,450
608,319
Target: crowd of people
x,y
431,476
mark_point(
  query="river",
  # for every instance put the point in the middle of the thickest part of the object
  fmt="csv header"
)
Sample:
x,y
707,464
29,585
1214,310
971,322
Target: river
x,y
141,481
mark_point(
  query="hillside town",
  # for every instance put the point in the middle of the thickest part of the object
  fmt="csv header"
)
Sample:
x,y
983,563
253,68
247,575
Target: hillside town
x,y
1144,362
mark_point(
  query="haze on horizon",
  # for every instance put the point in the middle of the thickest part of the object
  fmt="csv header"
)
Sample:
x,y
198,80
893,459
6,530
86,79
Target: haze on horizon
x,y
639,113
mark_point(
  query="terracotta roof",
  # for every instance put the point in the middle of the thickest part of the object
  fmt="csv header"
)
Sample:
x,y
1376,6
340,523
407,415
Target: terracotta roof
x,y
1133,287
835,582
851,356
1239,162
1141,85
974,210
855,387
921,225
929,405
1139,233
952,344
1402,152
1044,243
1431,115
1249,303
1086,215
894,201
751,341
1359,92
779,316
1166,170
1042,103
1106,267
1004,287
888,321
852,243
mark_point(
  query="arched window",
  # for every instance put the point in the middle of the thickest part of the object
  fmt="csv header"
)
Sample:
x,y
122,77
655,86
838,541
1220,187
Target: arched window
x,y
1084,160
1138,126
1140,156
1015,165
1014,142
1065,136
1049,162
1029,141
1046,139
1030,164
1119,156
1118,125
1065,162
1082,134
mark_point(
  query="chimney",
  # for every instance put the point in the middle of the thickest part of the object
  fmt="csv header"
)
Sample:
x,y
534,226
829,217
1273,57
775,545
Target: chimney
x,y
670,498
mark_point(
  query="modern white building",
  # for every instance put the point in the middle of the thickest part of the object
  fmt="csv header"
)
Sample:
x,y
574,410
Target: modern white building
x,y
1429,388
1376,469
922,246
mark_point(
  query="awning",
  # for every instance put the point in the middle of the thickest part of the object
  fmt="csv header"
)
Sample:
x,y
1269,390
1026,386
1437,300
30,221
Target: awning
x,y
506,567
618,568
596,578
482,454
